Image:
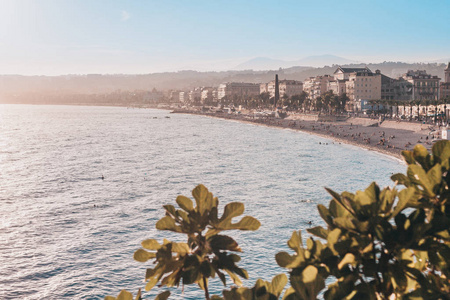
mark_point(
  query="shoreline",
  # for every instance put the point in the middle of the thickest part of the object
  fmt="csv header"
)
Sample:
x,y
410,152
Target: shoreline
x,y
388,139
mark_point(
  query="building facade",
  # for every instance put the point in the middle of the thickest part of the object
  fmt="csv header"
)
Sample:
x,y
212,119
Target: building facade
x,y
286,87
195,95
424,86
337,86
208,95
239,89
344,73
445,86
316,86
363,85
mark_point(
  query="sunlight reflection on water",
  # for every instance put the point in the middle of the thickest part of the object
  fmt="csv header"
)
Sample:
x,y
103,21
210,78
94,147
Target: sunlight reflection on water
x,y
55,243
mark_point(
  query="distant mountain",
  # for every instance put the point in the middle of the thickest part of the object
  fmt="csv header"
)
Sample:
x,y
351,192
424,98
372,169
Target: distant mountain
x,y
319,61
35,89
264,63
442,60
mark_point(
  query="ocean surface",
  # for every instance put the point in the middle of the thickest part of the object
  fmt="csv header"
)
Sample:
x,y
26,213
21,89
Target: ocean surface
x,y
67,234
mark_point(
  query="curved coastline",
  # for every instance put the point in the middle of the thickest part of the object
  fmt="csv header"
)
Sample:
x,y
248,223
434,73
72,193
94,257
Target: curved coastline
x,y
388,139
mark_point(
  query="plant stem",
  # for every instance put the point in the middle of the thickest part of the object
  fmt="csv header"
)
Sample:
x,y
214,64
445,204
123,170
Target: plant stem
x,y
205,284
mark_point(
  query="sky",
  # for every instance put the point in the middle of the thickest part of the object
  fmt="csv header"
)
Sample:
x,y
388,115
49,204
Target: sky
x,y
56,37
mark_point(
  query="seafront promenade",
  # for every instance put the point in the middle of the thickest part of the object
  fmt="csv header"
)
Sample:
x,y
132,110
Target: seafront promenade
x,y
388,137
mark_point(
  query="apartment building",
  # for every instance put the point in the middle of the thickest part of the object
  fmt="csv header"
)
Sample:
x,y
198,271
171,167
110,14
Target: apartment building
x,y
316,86
364,84
208,94
424,86
286,87
337,86
240,89
264,88
344,73
195,95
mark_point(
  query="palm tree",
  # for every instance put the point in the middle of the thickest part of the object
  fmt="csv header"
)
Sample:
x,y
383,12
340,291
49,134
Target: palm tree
x,y
411,102
445,101
418,103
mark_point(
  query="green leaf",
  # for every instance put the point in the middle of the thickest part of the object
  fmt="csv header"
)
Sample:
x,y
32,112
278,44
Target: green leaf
x,y
345,223
163,296
309,284
441,150
401,179
409,157
180,248
142,255
405,197
185,203
125,295
170,209
151,283
420,151
283,259
231,210
168,223
349,258
369,196
138,295
325,214
319,231
201,193
151,244
295,242
223,242
435,175
247,223
278,284
417,174
290,294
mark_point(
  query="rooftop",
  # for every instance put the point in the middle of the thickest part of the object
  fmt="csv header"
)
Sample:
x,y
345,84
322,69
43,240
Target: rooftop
x,y
352,70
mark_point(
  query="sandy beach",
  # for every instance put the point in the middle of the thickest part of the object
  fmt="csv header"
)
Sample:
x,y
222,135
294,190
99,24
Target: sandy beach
x,y
388,137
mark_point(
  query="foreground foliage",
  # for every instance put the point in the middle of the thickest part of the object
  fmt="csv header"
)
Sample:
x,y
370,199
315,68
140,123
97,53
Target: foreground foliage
x,y
377,243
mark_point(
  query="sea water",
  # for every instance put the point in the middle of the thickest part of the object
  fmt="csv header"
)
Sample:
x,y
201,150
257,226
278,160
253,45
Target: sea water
x,y
67,233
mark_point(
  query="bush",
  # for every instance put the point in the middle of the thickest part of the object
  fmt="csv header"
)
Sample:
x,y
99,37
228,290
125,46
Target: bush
x,y
377,244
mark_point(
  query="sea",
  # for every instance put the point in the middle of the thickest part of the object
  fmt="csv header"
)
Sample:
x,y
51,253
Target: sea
x,y
82,186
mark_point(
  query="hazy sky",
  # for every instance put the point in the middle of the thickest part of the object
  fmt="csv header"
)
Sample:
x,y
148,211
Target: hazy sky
x,y
53,37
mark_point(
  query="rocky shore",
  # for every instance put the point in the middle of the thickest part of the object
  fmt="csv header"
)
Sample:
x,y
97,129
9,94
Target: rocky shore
x,y
388,137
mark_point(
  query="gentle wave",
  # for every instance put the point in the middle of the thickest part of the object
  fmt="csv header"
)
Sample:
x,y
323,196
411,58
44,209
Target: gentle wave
x,y
66,233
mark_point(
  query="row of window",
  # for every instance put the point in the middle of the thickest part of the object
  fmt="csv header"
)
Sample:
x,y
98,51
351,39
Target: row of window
x,y
426,83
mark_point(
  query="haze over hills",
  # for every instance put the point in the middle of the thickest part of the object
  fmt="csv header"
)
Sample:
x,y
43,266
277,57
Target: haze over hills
x,y
30,89
318,61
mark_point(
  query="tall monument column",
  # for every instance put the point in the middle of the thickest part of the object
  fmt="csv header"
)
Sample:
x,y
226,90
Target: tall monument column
x,y
447,73
277,91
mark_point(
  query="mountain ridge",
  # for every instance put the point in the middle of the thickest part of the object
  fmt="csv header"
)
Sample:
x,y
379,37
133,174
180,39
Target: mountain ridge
x,y
265,63
13,86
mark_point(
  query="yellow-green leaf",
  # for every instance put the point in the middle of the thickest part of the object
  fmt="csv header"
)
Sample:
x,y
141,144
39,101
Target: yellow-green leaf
x,y
185,203
163,296
231,210
151,283
278,284
151,244
142,255
348,259
125,295
200,194
181,248
167,223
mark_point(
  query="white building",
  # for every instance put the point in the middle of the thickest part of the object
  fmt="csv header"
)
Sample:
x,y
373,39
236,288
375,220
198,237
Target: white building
x,y
239,89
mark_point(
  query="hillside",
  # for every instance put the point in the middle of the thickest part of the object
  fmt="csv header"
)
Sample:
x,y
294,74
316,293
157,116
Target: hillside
x,y
11,85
